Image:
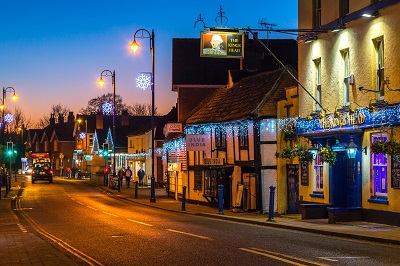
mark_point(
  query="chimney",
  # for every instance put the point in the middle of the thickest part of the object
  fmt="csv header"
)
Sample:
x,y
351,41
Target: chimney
x,y
52,120
125,118
71,118
99,121
60,119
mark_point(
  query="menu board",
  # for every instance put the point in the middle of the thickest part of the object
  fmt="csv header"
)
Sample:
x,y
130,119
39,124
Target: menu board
x,y
395,171
304,173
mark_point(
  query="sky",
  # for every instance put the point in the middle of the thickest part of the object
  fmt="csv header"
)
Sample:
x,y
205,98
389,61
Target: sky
x,y
53,52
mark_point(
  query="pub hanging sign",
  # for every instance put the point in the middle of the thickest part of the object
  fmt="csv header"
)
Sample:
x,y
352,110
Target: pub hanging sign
x,y
221,44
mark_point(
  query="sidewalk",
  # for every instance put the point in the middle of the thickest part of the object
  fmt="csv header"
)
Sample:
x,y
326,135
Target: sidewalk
x,y
19,247
381,233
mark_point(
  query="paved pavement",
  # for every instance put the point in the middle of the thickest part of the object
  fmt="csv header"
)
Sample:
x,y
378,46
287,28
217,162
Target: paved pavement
x,y
20,247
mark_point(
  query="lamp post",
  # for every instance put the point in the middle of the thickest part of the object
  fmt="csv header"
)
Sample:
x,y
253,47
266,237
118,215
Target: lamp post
x,y
108,73
134,47
14,97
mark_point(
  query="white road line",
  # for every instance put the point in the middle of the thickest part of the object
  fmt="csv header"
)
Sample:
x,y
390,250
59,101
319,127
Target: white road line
x,y
338,258
282,257
90,207
110,214
189,234
139,222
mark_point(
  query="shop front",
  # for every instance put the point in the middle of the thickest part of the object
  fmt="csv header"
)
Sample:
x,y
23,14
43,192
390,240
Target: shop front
x,y
360,181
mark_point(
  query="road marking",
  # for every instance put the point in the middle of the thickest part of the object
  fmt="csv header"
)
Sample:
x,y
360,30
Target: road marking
x,y
86,258
337,258
189,234
282,257
90,207
139,222
110,214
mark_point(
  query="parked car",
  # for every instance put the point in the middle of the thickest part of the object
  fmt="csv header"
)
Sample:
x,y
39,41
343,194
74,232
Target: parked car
x,y
42,171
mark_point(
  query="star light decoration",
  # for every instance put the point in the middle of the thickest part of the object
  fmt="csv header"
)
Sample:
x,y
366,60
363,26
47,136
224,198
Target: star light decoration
x,y
8,118
143,82
107,107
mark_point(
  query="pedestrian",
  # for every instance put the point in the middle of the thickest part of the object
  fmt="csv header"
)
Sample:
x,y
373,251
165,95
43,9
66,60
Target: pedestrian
x,y
140,174
128,176
120,176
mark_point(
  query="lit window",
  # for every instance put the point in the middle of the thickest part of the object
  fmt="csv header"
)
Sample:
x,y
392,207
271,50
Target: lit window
x,y
318,89
379,162
319,174
346,77
379,68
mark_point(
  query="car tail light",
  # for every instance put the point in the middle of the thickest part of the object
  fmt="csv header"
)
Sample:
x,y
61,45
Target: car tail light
x,y
51,172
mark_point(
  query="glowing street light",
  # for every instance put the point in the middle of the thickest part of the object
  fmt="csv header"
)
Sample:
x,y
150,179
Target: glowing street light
x,y
135,47
14,97
101,82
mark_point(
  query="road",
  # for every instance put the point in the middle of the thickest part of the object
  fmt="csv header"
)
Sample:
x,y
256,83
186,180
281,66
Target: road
x,y
102,229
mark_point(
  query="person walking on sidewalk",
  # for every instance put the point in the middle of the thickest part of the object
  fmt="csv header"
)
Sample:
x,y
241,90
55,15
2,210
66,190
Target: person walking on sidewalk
x,y
140,174
120,176
128,176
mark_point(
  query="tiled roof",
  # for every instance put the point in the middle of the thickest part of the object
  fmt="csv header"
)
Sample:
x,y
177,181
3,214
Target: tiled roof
x,y
245,99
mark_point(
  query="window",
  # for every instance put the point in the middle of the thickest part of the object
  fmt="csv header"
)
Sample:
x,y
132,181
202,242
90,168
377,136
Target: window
x,y
379,68
210,183
318,90
379,168
343,7
316,14
319,174
198,180
220,138
346,77
243,137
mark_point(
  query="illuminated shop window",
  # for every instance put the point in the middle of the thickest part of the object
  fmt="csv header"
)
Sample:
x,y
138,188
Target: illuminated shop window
x,y
379,162
319,174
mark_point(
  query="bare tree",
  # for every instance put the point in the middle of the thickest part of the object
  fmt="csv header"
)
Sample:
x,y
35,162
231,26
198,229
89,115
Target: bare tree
x,y
95,104
57,110
20,121
141,109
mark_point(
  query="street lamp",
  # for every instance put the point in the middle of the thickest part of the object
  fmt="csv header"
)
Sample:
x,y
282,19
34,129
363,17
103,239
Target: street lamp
x,y
108,73
14,97
134,47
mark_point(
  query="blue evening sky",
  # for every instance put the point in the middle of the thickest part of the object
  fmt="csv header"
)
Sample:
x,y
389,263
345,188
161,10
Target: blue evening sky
x,y
53,51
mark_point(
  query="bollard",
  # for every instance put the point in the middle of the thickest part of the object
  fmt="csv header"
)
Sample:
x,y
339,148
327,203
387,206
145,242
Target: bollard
x,y
119,184
7,185
184,198
221,199
271,203
136,189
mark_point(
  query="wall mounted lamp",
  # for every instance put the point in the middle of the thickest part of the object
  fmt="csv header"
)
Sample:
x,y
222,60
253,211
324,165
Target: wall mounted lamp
x,y
371,14
340,28
311,39
351,149
314,151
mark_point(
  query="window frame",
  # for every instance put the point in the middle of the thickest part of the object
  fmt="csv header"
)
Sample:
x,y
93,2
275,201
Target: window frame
x,y
318,174
379,68
383,167
346,76
318,86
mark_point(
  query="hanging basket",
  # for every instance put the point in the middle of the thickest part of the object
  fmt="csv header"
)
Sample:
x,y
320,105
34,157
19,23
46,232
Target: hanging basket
x,y
287,153
303,154
327,155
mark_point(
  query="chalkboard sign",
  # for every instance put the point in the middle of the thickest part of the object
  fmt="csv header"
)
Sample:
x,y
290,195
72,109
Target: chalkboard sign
x,y
304,173
395,171
293,187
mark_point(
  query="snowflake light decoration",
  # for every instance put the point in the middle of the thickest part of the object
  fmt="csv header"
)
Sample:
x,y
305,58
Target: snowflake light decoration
x,y
82,135
8,118
107,107
143,81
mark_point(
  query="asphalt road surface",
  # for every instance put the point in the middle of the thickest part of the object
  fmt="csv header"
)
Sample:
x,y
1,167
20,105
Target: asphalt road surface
x,y
102,229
